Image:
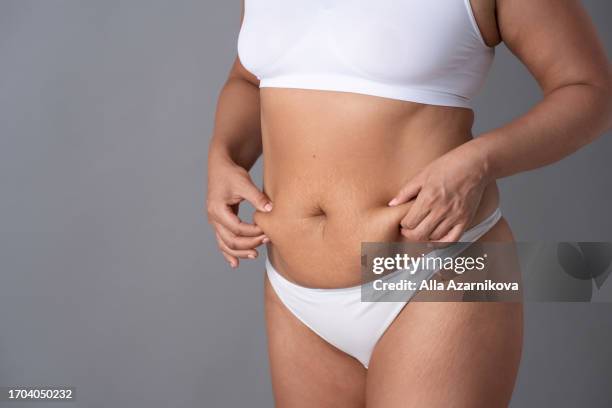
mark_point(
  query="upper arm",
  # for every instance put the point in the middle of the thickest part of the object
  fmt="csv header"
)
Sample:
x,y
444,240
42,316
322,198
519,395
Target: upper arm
x,y
556,41
238,70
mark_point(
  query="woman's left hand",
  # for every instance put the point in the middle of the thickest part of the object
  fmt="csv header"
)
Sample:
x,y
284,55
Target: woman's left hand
x,y
447,193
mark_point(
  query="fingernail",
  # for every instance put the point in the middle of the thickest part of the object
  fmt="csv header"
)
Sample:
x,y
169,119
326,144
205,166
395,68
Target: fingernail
x,y
233,264
268,207
252,256
392,202
265,240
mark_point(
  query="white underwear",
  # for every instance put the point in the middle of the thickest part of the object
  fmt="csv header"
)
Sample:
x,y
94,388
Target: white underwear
x,y
341,318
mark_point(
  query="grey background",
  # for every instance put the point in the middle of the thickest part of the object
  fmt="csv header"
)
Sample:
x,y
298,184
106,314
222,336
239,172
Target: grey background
x,y
110,279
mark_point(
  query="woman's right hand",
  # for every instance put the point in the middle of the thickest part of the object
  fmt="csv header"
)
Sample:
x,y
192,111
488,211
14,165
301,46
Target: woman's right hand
x,y
228,185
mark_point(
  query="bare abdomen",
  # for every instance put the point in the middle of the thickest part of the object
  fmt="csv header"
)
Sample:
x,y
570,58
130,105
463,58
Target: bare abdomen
x,y
332,162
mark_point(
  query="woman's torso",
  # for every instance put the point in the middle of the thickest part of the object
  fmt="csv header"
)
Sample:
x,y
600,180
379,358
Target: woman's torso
x,y
332,162
387,87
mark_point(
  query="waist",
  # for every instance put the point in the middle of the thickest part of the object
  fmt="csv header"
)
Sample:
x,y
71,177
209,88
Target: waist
x,y
331,165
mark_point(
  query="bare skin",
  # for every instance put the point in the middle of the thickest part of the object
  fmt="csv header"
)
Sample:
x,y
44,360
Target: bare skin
x,y
364,168
449,354
324,177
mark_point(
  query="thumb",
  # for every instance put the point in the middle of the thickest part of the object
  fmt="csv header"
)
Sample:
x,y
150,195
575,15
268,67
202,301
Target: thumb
x,y
256,197
409,191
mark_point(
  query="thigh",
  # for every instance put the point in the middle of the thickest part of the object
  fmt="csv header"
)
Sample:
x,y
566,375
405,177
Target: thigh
x,y
306,370
448,354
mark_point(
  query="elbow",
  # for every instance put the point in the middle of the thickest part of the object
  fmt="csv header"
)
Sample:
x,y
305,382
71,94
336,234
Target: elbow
x,y
597,105
608,103
594,108
603,91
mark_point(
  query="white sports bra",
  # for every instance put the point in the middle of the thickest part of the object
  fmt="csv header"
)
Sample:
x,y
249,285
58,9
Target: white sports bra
x,y
425,51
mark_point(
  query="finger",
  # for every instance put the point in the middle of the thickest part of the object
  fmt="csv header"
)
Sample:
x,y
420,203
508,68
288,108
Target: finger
x,y
226,217
234,241
424,229
236,253
416,214
233,261
256,197
442,229
239,253
406,193
454,234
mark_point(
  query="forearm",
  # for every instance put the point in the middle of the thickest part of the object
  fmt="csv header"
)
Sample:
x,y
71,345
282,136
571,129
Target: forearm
x,y
237,130
564,121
